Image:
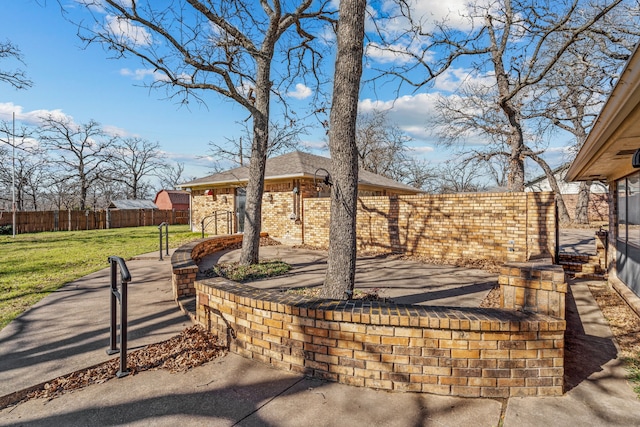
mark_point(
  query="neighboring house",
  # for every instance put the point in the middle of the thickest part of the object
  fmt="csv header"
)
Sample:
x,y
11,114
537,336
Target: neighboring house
x,y
218,200
172,200
131,204
598,197
607,155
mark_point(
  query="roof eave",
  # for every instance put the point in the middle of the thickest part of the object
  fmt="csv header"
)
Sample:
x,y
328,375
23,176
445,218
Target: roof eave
x,y
623,99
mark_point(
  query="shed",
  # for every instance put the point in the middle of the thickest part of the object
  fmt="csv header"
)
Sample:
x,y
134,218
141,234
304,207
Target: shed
x,y
172,200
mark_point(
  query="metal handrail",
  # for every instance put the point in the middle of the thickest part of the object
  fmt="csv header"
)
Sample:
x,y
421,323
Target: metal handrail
x,y
166,227
214,215
125,278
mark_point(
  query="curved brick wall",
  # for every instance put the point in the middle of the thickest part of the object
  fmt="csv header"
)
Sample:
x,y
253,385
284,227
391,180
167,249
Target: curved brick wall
x,y
449,351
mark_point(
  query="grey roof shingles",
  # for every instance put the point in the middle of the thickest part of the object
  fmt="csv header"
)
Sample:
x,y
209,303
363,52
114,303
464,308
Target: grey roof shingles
x,y
132,204
296,164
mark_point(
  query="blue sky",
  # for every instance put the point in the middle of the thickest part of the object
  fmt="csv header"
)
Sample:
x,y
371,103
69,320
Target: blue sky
x,y
85,84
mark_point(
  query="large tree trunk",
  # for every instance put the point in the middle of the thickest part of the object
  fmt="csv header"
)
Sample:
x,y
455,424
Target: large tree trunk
x,y
341,264
563,213
515,180
582,205
257,164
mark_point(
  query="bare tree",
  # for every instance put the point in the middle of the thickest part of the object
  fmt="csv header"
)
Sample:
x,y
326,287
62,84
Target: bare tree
x,y
80,152
283,138
515,43
341,263
133,160
382,146
26,169
572,94
227,47
172,176
16,77
456,177
419,174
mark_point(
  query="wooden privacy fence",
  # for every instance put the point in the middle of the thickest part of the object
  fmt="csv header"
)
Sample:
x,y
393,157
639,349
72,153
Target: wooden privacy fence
x,y
70,220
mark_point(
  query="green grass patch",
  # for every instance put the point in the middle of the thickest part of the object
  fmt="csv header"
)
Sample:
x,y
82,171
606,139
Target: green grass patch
x,y
34,265
247,273
633,367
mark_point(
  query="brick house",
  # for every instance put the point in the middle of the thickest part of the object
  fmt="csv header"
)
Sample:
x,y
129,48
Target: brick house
x,y
172,200
608,154
218,200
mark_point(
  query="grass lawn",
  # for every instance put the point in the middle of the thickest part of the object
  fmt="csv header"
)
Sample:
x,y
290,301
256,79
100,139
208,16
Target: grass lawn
x,y
33,265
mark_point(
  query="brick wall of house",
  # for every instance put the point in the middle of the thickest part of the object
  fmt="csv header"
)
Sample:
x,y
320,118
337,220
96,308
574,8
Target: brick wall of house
x,y
222,201
497,226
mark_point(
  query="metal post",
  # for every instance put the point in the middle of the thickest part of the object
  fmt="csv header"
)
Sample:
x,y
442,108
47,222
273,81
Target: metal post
x,y
166,225
123,332
113,329
166,237
125,278
160,245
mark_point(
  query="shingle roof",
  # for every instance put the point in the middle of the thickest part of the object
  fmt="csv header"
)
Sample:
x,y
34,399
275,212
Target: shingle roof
x,y
296,164
178,197
542,177
132,204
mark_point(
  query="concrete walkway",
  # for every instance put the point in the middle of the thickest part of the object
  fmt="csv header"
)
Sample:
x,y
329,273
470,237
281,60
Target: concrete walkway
x,y
69,330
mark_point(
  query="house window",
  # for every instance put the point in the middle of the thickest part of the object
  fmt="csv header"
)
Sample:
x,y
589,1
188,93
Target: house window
x,y
633,209
629,210
622,210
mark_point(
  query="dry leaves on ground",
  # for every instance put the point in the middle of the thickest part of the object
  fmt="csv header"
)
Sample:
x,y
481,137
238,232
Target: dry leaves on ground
x,y
624,322
193,347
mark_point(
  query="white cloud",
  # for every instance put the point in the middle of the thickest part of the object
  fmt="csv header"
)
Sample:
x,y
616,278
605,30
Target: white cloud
x,y
142,73
301,92
116,131
409,112
428,13
139,74
125,31
33,117
454,78
422,149
388,54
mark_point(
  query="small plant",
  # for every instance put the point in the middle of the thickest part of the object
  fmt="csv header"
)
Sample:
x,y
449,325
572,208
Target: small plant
x,y
247,273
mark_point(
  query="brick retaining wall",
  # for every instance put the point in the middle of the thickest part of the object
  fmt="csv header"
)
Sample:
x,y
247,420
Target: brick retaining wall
x,y
184,261
449,351
470,352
